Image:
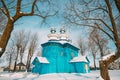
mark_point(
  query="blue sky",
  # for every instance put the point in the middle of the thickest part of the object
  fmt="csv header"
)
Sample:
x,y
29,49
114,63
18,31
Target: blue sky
x,y
33,23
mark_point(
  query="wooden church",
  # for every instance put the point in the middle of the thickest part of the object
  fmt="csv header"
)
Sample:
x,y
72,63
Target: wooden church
x,y
60,56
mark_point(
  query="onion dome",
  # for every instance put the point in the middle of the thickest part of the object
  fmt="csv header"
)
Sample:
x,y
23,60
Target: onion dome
x,y
62,30
53,35
53,30
63,35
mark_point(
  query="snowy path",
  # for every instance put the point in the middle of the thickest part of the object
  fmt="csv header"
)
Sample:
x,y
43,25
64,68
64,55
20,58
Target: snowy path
x,y
94,75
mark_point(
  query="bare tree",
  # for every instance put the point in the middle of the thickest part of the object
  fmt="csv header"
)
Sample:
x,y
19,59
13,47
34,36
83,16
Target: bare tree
x,y
99,40
11,55
24,43
94,49
13,10
11,20
82,46
19,38
99,16
31,50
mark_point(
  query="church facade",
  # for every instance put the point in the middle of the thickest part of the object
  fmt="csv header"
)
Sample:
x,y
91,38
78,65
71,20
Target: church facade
x,y
60,56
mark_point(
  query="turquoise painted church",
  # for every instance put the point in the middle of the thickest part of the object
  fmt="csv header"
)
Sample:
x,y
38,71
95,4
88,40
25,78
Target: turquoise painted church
x,y
60,56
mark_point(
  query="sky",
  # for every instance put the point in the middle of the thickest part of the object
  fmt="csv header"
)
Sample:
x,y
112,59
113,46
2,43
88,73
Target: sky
x,y
33,23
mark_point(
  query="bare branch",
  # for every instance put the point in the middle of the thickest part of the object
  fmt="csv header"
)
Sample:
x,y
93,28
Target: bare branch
x,y
88,25
104,31
117,17
6,9
98,8
117,2
112,22
20,14
3,11
18,6
101,21
46,16
33,5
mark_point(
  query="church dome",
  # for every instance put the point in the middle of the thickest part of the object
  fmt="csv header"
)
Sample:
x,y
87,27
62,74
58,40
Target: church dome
x,y
63,35
62,30
53,35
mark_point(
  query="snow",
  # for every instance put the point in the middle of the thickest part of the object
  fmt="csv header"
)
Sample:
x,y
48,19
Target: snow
x,y
79,59
0,49
11,18
108,56
42,59
94,75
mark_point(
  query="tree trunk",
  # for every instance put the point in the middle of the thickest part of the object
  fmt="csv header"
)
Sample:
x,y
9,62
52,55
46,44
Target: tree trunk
x,y
28,67
117,2
104,70
10,61
5,36
27,61
94,63
16,60
101,50
104,65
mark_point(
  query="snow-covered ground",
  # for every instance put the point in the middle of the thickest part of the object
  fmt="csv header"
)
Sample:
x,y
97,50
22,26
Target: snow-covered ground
x,y
93,75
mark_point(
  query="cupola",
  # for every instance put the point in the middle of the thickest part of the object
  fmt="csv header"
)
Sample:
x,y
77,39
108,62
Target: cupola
x,y
53,35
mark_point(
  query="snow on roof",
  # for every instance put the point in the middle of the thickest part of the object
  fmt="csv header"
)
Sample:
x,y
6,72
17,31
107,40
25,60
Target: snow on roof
x,y
43,59
108,56
79,59
20,64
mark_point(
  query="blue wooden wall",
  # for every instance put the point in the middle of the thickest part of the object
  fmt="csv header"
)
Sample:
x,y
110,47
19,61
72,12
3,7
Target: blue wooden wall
x,y
59,56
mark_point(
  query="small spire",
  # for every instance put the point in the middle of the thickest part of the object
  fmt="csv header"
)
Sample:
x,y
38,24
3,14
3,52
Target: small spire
x,y
53,30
